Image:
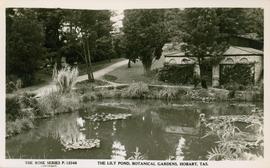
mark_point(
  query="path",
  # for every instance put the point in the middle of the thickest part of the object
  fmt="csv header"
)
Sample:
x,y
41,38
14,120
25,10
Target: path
x,y
97,75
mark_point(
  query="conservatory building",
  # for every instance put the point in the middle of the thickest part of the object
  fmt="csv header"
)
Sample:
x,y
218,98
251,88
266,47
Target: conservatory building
x,y
234,56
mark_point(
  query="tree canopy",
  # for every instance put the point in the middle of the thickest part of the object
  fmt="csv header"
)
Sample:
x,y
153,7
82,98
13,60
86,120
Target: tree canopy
x,y
24,43
34,35
206,32
144,35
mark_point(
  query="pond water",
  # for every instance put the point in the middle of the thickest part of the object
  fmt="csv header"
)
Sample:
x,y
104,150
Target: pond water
x,y
157,129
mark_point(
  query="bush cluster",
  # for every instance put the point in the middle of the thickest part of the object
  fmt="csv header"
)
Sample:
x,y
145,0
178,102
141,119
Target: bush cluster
x,y
65,78
20,113
137,90
176,74
239,75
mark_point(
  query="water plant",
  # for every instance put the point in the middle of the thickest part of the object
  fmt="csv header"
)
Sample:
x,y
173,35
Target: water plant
x,y
168,93
137,90
54,103
65,78
19,125
49,103
234,143
137,155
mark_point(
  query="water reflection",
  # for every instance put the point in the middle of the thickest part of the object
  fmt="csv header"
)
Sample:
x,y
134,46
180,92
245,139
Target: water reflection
x,y
158,129
179,154
118,151
114,128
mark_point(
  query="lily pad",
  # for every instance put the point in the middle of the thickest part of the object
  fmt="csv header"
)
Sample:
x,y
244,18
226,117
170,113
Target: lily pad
x,y
107,116
235,118
82,144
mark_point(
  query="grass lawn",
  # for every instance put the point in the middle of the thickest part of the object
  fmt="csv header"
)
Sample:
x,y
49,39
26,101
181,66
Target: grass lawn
x,y
124,74
98,65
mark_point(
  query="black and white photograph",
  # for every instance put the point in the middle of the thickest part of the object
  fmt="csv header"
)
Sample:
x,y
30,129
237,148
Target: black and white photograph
x,y
173,85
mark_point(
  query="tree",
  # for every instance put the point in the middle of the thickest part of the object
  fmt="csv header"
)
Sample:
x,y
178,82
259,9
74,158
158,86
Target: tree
x,y
144,35
24,44
89,30
206,33
254,17
51,20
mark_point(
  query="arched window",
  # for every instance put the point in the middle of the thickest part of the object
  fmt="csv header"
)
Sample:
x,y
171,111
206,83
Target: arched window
x,y
172,61
229,61
244,60
185,61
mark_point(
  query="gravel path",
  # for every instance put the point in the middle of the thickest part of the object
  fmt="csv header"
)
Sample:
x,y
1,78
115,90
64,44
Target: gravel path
x,y
97,75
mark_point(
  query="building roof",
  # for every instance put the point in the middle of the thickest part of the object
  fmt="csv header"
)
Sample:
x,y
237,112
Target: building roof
x,y
233,50
236,50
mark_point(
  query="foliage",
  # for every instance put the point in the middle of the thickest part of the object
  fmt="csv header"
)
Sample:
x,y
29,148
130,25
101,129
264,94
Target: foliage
x,y
110,78
20,112
54,103
12,86
20,106
24,43
119,45
49,103
137,155
17,126
206,32
233,144
144,35
12,107
239,73
176,74
169,93
174,24
255,23
137,90
89,35
37,38
65,79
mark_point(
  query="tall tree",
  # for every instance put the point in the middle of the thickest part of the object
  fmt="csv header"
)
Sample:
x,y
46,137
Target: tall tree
x,y
255,22
24,43
52,20
206,33
144,34
90,31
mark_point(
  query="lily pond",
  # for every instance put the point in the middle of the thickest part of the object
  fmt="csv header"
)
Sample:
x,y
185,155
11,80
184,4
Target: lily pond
x,y
122,129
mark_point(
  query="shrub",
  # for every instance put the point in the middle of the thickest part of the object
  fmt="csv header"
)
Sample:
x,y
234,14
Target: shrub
x,y
10,87
168,93
234,143
110,78
54,103
27,100
68,103
176,74
49,103
12,107
26,123
137,90
17,126
239,73
65,78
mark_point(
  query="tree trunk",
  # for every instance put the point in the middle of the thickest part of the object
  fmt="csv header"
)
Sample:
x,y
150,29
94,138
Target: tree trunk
x,y
147,68
129,63
202,75
87,58
147,63
90,72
